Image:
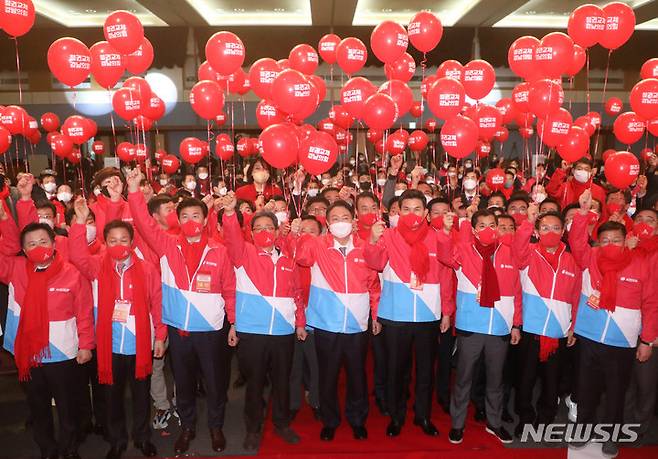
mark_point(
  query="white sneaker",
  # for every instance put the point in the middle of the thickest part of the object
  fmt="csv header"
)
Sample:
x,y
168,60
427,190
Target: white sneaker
x,y
573,409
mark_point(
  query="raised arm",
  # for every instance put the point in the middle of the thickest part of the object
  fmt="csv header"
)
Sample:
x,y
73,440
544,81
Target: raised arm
x,y
8,233
233,236
227,274
578,235
84,317
79,255
305,252
26,212
374,252
556,184
521,242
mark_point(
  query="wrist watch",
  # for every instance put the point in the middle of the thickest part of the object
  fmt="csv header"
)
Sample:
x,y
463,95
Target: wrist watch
x,y
646,343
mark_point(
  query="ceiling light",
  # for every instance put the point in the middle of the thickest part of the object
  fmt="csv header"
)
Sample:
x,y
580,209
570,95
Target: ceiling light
x,y
294,12
238,10
370,13
91,17
279,10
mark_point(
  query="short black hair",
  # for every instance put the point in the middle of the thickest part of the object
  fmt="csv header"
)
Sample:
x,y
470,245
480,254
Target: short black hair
x,y
30,227
392,201
278,197
505,216
192,202
312,218
315,200
239,203
549,200
115,224
625,193
497,194
573,205
550,213
365,195
44,204
437,201
158,200
69,215
482,213
611,226
583,160
266,214
412,194
343,204
327,190
646,209
518,196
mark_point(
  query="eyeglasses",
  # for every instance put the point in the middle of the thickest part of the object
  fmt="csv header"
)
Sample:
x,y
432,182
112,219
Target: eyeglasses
x,y
259,228
547,228
616,241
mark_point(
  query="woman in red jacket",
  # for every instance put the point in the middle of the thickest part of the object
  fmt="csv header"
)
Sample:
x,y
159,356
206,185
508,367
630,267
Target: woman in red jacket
x,y
259,178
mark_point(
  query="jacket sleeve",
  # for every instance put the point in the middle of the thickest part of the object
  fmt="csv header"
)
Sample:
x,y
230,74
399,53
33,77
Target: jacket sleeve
x,y
579,240
26,212
300,306
374,291
148,229
155,295
10,243
84,317
114,210
448,300
575,297
305,252
376,255
649,305
234,240
6,257
555,186
79,256
388,192
227,274
521,244
517,319
446,251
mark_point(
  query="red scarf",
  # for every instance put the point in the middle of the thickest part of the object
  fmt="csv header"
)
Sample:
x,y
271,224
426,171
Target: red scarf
x,y
489,289
4,194
552,258
610,268
108,288
547,345
649,245
192,252
33,335
419,256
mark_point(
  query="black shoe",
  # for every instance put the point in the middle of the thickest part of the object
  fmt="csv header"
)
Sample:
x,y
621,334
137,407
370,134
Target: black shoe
x,y
147,448
327,433
456,436
183,442
381,406
480,415
427,427
359,432
506,417
501,433
393,429
287,434
115,452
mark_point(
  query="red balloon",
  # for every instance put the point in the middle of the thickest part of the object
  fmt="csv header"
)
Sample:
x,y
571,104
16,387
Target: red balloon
x,y
31,127
502,134
652,127
389,41
141,152
459,136
351,55
15,119
124,31
254,146
69,60
233,82
5,139
280,145
416,109
283,64
451,69
379,146
327,47
75,156
354,94
62,145
402,69
607,153
619,25
224,147
319,84
614,106
98,147
49,121
628,128
553,130
520,95
192,150
520,56
506,109
554,55
341,117
545,97
262,74
380,111
268,114
621,169
479,79
577,61
318,153
206,72
649,69
77,129
584,123
594,118
488,120
141,59
220,119
170,164
646,153
140,87
495,179
644,98
431,124
526,132
107,64
225,52
575,146
304,59
340,135
400,93
207,99
373,135
446,98
310,105
525,119
244,147
126,152
126,103
291,91
417,141
425,31
143,123
159,155
586,25
34,138
16,17
305,130
396,143
483,149
155,109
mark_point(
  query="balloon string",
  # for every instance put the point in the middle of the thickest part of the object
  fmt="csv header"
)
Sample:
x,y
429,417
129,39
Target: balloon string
x,y
331,79
209,158
18,73
605,87
114,133
423,65
244,112
571,92
587,80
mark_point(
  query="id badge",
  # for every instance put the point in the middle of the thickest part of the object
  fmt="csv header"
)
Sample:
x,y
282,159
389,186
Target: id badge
x,y
594,300
203,282
121,311
414,282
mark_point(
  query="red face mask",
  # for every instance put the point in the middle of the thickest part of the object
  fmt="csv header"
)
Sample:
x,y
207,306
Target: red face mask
x,y
368,219
411,221
191,228
39,254
613,208
263,239
437,222
487,236
246,219
551,239
172,220
519,219
322,219
506,238
118,252
643,230
612,251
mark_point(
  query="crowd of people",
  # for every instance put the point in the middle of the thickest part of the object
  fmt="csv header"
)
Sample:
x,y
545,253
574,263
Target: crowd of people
x,y
466,292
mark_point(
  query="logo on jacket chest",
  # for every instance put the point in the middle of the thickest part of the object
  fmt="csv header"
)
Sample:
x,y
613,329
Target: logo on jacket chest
x,y
59,289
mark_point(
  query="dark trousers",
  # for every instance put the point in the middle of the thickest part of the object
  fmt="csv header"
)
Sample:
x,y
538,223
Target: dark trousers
x,y
444,367
207,351
123,373
641,397
603,368
531,369
260,356
59,381
305,372
400,338
336,350
92,406
380,361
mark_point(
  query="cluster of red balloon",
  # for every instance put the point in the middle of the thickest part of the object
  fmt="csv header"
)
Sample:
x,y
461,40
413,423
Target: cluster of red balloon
x,y
15,120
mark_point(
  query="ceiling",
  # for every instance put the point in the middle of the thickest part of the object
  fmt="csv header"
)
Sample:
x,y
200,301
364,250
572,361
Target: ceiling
x,y
465,13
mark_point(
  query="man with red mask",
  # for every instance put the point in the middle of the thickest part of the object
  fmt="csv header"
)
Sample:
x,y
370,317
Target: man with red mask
x,y
49,330
551,281
198,304
416,296
617,318
566,189
487,319
128,309
366,205
269,313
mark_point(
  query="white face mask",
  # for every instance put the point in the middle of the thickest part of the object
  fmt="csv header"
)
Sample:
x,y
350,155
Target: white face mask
x,y
91,233
539,197
352,161
581,176
64,196
223,191
468,165
470,184
202,175
393,220
428,198
163,181
261,176
341,229
326,181
47,221
50,187
398,193
452,174
568,226
191,185
312,192
429,180
282,217
97,191
381,181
